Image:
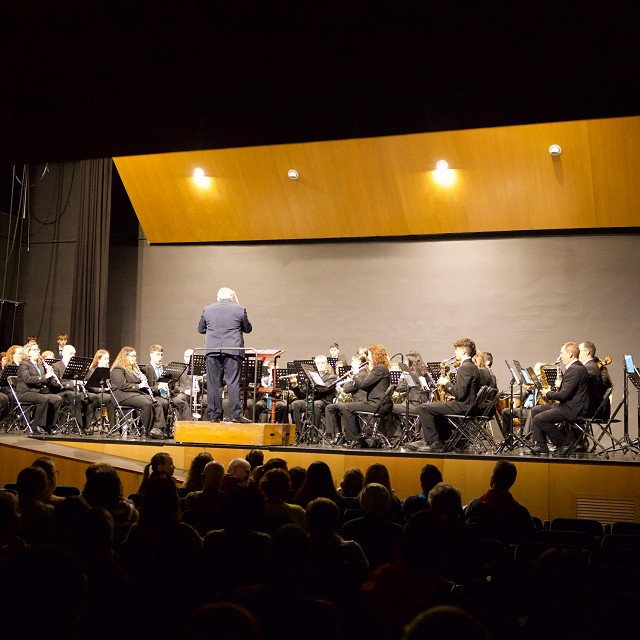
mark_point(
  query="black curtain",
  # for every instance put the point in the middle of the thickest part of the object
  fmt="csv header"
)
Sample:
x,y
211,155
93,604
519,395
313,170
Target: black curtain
x,y
89,312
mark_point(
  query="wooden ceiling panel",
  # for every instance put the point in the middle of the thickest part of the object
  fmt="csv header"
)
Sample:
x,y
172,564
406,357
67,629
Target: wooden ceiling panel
x,y
501,179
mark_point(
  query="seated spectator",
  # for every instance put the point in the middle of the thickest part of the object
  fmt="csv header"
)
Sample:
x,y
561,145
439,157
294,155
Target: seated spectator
x,y
160,464
259,472
160,547
351,485
340,565
238,473
65,515
379,473
229,621
103,490
36,517
203,509
467,550
48,466
429,478
497,512
255,458
288,579
11,544
275,486
195,475
234,556
445,622
318,483
297,476
374,532
397,592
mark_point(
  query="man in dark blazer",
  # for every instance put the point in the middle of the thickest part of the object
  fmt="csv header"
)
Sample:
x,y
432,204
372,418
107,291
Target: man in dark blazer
x,y
573,401
464,392
596,383
224,324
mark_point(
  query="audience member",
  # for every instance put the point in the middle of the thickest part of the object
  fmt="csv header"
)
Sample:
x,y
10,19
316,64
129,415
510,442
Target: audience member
x,y
297,476
497,512
160,464
203,509
230,621
379,473
195,474
430,476
255,458
160,534
275,486
36,517
49,467
238,473
11,544
351,485
103,490
445,622
374,532
318,483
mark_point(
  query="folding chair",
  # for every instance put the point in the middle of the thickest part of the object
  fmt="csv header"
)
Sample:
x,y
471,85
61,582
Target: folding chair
x,y
20,412
409,429
371,423
462,425
585,427
127,419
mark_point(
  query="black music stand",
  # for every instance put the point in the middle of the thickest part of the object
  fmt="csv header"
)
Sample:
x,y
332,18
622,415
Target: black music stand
x,y
75,372
170,375
97,380
309,432
197,367
251,371
520,377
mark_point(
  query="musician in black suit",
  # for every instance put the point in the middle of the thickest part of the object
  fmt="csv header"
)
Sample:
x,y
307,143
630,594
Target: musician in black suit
x,y
34,377
224,324
323,395
597,386
464,392
162,390
131,389
375,384
573,401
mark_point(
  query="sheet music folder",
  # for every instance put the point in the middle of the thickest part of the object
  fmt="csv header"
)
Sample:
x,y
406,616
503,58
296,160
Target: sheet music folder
x,y
312,374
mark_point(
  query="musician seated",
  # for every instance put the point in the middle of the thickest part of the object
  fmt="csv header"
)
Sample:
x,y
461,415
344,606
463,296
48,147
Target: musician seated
x,y
34,380
433,423
597,383
416,394
84,404
375,384
162,390
101,359
322,395
349,391
191,391
131,389
573,401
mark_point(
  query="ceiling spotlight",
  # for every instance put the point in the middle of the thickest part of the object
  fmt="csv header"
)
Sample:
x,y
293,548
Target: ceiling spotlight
x,y
198,172
293,174
555,150
442,165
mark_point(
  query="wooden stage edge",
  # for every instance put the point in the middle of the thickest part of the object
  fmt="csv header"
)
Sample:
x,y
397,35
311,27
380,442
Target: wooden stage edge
x,y
608,490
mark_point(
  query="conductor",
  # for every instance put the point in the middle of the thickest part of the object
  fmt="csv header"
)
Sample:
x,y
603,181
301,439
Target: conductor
x,y
224,324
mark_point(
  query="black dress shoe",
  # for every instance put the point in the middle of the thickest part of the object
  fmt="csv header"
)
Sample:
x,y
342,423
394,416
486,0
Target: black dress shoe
x,y
54,431
540,449
242,420
415,446
432,447
156,434
38,431
563,450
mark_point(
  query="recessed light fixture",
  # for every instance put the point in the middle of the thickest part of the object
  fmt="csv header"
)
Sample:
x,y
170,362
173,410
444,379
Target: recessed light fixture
x,y
293,174
555,150
442,165
201,179
198,173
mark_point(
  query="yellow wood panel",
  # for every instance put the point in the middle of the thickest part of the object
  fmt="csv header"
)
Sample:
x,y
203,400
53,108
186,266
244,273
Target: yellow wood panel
x,y
505,180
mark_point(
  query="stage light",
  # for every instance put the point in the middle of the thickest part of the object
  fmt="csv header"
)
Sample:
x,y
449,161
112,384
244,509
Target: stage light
x,y
555,150
293,174
444,176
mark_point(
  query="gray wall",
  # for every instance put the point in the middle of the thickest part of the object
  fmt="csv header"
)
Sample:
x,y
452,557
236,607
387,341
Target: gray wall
x,y
516,297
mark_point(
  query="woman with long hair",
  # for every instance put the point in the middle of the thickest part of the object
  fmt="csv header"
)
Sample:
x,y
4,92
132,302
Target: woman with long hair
x,y
375,384
318,483
101,359
131,389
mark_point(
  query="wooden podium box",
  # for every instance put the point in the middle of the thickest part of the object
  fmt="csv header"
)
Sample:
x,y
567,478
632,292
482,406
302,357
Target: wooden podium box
x,y
252,434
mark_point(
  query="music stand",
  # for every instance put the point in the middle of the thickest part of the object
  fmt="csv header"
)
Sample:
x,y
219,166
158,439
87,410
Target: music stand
x,y
521,377
170,375
332,362
309,432
75,372
196,367
97,380
251,371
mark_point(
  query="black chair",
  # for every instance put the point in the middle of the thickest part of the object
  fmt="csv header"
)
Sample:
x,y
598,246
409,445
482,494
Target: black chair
x,y
584,426
512,571
372,423
462,425
614,557
64,491
137,499
577,539
626,528
592,527
612,578
620,541
20,412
